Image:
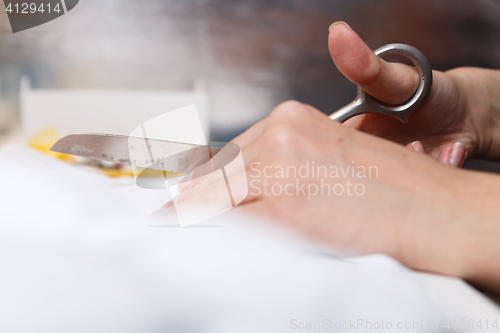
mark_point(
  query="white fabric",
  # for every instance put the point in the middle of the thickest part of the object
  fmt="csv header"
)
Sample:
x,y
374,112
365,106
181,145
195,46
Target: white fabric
x,y
78,254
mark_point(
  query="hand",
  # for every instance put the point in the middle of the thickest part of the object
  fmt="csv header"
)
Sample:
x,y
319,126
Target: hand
x,y
448,126
428,216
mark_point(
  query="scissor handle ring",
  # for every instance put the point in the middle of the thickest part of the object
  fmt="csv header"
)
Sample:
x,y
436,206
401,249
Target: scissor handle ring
x,y
402,111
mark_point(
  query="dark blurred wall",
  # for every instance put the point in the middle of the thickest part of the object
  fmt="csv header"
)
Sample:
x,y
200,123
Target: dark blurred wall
x,y
252,54
281,45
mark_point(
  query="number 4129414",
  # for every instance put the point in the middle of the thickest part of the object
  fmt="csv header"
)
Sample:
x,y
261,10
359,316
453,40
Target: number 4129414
x,y
32,8
471,324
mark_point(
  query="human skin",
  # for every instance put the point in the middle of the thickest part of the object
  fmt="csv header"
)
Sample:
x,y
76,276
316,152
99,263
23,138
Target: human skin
x,y
463,104
426,214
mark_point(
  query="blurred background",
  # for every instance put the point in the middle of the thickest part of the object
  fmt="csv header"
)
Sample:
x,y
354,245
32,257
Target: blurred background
x,y
249,54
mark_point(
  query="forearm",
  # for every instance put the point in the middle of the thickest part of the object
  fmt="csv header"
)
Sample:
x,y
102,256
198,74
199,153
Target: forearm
x,y
467,244
483,253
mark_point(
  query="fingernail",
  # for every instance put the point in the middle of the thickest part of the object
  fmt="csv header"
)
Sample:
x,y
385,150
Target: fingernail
x,y
418,147
337,23
458,155
160,213
168,204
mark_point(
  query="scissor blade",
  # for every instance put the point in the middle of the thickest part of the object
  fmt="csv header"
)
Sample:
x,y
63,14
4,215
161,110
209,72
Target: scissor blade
x,y
139,152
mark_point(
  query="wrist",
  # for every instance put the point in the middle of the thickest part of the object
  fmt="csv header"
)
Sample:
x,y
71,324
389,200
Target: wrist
x,y
466,244
480,229
456,236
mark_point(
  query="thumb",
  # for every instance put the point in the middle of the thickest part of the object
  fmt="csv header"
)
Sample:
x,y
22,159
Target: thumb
x,y
390,83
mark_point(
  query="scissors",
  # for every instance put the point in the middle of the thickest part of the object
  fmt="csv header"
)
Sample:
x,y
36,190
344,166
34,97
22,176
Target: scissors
x,y
184,157
365,103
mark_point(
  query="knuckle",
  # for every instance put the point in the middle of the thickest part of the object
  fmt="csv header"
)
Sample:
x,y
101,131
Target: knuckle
x,y
290,109
282,136
370,76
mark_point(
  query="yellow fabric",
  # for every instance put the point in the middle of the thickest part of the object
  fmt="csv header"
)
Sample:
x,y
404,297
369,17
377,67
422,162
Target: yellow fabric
x,y
43,140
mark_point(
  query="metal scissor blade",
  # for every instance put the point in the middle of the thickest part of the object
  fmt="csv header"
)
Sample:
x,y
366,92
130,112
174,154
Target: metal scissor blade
x,y
139,152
